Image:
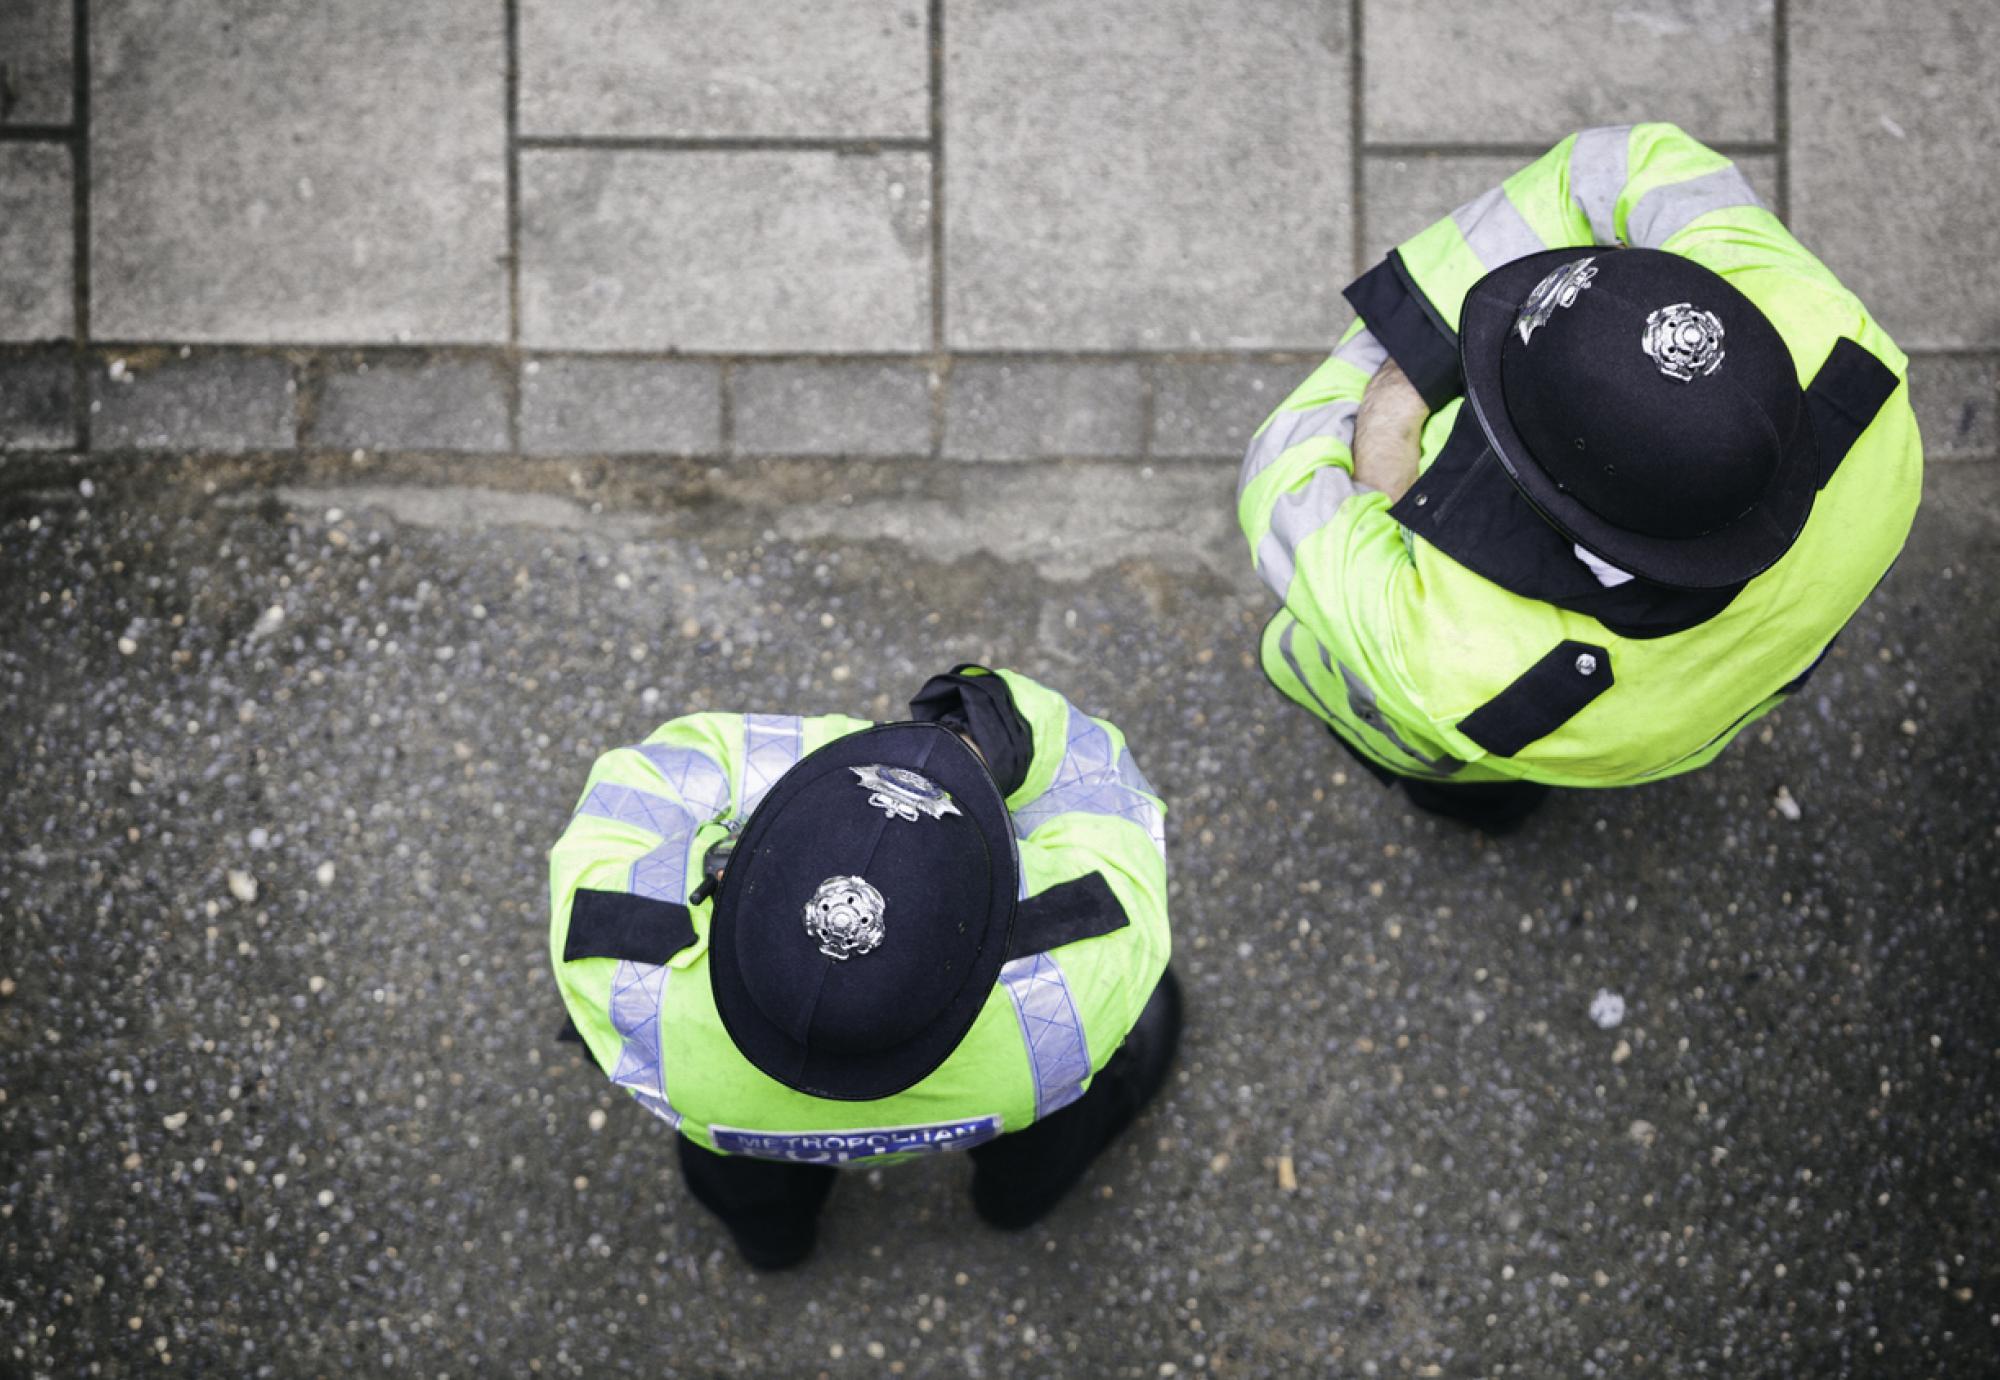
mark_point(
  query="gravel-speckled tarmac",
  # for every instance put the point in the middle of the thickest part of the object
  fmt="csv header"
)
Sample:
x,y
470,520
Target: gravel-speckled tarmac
x,y
287,740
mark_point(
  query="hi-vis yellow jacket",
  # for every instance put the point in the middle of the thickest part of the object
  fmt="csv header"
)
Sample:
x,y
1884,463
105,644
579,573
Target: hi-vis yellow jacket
x,y
1457,647
651,814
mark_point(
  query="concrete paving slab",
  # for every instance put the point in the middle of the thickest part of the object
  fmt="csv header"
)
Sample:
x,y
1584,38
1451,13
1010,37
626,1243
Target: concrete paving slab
x,y
37,243
403,403
1209,410
1892,172
620,407
221,403
204,1081
720,69
37,45
1403,194
37,400
1042,409
850,408
316,173
1531,71
1144,175
757,252
1957,399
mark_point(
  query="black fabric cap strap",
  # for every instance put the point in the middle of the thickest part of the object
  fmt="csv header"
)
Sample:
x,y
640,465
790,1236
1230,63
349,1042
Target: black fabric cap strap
x,y
617,924
981,707
1842,400
1541,700
1083,908
1416,337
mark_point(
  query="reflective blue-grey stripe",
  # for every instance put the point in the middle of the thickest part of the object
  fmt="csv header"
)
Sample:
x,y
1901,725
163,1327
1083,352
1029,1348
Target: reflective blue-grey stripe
x,y
1597,171
637,991
1496,230
1298,671
1092,779
1363,351
1287,429
1361,699
1051,1028
697,778
642,809
1296,516
702,784
1666,211
771,747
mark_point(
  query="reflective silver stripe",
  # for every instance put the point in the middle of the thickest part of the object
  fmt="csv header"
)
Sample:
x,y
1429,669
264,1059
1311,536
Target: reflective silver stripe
x,y
1363,351
1496,230
1051,1028
1287,429
697,778
1361,699
1298,671
1597,172
653,813
1666,211
1297,516
637,991
703,786
771,747
1088,779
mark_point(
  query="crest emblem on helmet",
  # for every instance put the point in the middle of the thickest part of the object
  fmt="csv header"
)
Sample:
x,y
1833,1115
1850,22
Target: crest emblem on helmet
x,y
1683,340
904,794
844,917
1559,289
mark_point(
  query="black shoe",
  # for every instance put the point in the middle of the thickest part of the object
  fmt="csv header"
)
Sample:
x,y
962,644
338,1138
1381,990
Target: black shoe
x,y
1017,1179
771,1207
1492,807
778,1250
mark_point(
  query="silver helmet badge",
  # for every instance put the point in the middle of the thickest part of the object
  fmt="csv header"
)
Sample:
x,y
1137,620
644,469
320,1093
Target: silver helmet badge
x,y
1683,340
904,794
844,917
1559,289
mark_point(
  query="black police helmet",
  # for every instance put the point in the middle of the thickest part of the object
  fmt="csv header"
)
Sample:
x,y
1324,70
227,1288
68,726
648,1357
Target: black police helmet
x,y
1645,407
865,913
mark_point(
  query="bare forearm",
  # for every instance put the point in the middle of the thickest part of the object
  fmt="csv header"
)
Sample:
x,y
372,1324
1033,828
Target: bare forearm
x,y
1388,432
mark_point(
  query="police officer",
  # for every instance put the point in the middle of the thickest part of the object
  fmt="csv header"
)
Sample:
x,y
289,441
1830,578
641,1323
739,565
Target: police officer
x,y
814,942
1605,464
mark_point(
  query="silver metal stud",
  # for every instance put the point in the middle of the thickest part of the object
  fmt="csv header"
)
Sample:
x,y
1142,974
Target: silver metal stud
x,y
1586,665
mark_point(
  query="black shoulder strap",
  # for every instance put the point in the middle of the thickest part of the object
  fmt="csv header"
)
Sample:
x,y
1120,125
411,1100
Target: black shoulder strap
x,y
1416,337
1080,909
617,924
1842,400
1541,700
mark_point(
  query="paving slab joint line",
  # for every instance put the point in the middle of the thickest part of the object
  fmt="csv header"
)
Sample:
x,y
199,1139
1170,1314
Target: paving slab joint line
x,y
512,384
37,134
935,54
1781,98
79,171
1357,150
1528,152
643,143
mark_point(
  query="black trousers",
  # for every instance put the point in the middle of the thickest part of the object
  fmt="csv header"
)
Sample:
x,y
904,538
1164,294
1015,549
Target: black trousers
x,y
772,1207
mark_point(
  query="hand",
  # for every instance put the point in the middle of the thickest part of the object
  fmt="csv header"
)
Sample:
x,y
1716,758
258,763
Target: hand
x,y
1388,433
